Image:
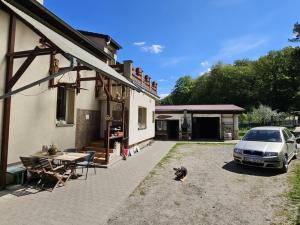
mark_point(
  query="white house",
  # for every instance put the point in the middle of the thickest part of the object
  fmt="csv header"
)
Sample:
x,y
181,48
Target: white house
x,y
65,87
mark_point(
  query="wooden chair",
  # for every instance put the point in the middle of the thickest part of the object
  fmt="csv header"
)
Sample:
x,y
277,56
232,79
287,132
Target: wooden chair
x,y
58,173
33,167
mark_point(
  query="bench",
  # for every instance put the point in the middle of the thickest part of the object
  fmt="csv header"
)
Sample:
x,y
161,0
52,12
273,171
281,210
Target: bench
x,y
18,171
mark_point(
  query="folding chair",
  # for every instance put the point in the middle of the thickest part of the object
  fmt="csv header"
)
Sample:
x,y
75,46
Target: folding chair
x,y
58,173
33,167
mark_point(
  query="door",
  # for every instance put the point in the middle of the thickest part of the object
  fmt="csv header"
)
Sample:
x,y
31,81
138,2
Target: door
x,y
173,129
206,128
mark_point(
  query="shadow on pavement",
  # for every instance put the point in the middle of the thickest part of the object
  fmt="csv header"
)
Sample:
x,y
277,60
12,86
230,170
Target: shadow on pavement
x,y
249,170
19,190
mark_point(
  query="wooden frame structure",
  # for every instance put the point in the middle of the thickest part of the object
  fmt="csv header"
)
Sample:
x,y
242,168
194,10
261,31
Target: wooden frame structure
x,y
47,48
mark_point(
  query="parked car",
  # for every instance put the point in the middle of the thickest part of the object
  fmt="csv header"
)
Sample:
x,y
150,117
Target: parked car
x,y
269,147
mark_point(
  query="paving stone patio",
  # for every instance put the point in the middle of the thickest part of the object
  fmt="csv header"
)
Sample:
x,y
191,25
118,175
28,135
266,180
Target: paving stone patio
x,y
82,201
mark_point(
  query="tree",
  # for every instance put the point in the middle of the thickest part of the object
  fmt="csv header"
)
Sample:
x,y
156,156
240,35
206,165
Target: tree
x,y
181,93
296,32
273,79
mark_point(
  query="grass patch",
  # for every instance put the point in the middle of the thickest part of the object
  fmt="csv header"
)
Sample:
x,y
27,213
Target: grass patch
x,y
291,210
294,181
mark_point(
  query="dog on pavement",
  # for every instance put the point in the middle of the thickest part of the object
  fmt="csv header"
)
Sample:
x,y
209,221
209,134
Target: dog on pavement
x,y
180,173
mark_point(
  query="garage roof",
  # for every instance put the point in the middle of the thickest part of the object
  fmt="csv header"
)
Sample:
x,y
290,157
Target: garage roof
x,y
66,45
199,108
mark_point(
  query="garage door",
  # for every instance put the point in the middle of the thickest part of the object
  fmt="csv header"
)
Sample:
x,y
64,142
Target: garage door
x,y
206,128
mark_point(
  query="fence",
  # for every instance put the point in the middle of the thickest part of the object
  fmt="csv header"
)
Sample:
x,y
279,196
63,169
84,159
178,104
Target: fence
x,y
291,123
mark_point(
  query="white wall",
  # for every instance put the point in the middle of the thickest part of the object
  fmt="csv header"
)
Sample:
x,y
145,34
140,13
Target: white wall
x,y
179,117
138,99
33,111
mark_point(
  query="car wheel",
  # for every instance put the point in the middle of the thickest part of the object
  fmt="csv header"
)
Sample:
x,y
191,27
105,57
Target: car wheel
x,y
285,165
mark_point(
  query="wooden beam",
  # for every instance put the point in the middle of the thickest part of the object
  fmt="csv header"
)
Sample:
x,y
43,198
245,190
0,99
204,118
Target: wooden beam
x,y
88,78
37,52
108,113
78,80
7,101
51,70
21,71
35,83
76,68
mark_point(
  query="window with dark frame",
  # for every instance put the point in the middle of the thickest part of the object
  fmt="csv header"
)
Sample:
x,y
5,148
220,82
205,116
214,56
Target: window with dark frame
x,y
65,105
142,118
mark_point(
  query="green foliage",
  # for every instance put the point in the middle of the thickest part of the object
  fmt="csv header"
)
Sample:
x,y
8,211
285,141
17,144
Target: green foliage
x,y
272,80
296,32
262,114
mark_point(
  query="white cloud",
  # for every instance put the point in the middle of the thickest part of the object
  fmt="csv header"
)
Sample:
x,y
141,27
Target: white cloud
x,y
163,95
238,46
161,80
154,49
204,64
139,43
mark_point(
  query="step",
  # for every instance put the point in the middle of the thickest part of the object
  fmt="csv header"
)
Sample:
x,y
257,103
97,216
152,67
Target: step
x,y
97,149
98,144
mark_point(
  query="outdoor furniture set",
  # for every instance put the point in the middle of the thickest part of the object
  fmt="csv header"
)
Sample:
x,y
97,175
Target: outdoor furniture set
x,y
60,166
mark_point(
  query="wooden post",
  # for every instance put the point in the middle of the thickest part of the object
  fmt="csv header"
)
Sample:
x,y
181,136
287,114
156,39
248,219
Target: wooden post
x,y
7,101
108,114
123,120
51,71
78,79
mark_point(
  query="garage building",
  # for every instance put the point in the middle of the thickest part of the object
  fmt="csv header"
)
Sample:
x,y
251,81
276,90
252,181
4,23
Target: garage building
x,y
196,122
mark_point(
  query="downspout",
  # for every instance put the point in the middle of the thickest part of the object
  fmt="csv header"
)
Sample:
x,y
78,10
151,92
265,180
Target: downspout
x,y
7,101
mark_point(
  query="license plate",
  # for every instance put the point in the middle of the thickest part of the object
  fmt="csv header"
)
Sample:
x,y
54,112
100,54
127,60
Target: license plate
x,y
255,160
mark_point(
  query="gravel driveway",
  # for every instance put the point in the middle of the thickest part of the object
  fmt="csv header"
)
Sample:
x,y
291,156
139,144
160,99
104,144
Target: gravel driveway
x,y
216,191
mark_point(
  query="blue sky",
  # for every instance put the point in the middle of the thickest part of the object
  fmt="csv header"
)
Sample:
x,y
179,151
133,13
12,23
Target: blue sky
x,y
171,38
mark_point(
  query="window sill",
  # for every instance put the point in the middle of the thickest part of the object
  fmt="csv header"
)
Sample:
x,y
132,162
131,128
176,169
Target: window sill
x,y
65,125
142,128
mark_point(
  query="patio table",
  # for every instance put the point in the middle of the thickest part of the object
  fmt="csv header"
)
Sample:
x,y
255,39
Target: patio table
x,y
67,158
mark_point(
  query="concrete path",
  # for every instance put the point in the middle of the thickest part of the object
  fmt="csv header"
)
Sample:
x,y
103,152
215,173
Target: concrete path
x,y
82,201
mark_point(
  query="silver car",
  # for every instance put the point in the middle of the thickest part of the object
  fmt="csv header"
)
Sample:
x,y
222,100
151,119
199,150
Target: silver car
x,y
269,147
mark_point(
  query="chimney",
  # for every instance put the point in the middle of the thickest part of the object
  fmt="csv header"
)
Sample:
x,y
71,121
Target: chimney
x,y
128,66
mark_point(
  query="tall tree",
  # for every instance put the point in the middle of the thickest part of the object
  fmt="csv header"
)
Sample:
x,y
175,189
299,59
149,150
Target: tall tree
x,y
181,93
296,32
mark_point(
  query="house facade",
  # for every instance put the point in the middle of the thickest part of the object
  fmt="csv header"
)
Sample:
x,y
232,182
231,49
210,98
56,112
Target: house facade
x,y
196,122
65,87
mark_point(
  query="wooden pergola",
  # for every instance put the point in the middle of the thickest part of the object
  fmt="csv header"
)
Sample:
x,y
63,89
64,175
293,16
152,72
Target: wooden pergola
x,y
48,47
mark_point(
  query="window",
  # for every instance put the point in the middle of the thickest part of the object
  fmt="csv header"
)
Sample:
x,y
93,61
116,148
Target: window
x,y
161,125
65,105
263,135
153,117
142,118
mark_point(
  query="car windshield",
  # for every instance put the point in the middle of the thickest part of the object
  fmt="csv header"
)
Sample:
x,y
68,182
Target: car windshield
x,y
263,135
